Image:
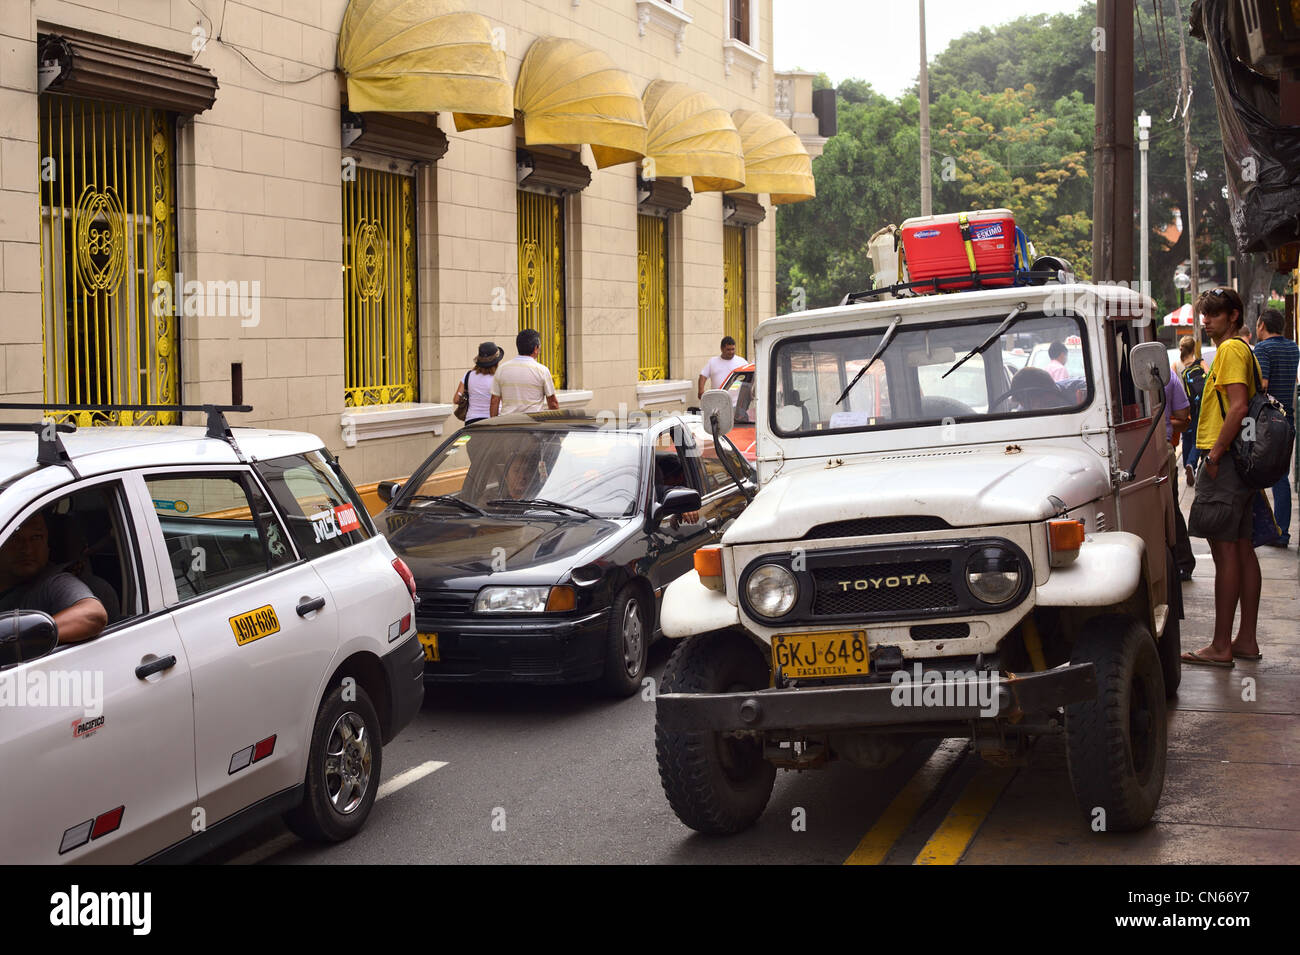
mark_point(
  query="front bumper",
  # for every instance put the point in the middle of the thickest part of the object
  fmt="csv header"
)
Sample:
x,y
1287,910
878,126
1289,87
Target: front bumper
x,y
404,667
518,650
878,705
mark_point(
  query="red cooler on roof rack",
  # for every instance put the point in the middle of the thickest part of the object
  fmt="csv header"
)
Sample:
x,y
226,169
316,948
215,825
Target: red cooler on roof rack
x,y
956,246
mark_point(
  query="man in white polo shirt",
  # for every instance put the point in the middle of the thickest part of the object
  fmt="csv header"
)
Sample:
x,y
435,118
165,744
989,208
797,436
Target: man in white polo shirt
x,y
719,367
523,384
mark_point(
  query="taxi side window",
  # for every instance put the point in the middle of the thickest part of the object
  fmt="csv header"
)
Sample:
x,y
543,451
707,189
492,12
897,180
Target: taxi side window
x,y
218,530
323,513
74,547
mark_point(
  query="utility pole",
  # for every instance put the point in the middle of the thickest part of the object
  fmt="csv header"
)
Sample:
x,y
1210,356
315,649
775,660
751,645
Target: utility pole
x,y
925,121
1112,147
1189,165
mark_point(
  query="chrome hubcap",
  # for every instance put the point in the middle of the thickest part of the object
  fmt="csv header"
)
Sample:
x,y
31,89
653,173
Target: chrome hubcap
x,y
633,638
348,759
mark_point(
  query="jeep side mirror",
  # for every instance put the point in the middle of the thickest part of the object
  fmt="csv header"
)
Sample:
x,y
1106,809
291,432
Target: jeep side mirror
x,y
1149,363
717,402
678,500
26,635
387,490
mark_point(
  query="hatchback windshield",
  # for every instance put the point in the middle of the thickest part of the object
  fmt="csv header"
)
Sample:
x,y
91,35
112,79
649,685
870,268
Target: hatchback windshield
x,y
490,468
907,385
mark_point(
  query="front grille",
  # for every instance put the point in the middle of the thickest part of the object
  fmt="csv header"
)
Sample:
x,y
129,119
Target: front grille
x,y
439,603
832,598
940,631
870,526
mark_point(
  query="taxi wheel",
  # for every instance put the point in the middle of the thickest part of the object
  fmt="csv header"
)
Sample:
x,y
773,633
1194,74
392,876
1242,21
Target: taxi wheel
x,y
1115,744
342,768
715,782
626,644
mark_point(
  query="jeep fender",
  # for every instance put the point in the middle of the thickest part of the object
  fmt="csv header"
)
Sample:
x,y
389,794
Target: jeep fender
x,y
1107,572
689,608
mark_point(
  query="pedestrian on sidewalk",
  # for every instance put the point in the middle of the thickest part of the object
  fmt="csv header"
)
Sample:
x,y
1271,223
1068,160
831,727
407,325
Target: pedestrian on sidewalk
x,y
1221,510
1193,378
715,372
1177,418
523,384
476,386
1278,359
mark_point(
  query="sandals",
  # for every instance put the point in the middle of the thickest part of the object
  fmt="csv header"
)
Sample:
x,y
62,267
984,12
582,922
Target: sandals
x,y
1194,656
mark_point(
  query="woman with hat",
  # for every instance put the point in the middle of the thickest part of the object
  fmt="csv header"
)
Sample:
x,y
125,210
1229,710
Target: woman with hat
x,y
477,383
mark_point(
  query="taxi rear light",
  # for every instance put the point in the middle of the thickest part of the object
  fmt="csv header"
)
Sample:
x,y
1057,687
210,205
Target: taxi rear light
x,y
708,564
1064,538
408,578
560,599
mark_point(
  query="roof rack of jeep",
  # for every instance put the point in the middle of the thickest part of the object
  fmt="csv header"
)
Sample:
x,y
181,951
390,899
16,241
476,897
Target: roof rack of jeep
x,y
969,282
50,449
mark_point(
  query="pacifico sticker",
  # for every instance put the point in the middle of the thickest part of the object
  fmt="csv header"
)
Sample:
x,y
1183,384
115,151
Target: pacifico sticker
x,y
254,625
86,727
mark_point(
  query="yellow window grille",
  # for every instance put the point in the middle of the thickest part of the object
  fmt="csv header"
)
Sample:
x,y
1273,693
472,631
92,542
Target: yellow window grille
x,y
735,321
652,297
541,277
379,291
108,241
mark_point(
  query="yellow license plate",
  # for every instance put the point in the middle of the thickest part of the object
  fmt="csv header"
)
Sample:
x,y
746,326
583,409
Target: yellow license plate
x,y
816,655
254,625
430,643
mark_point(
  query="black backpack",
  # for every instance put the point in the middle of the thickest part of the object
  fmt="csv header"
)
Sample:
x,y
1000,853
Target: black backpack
x,y
1264,456
1194,385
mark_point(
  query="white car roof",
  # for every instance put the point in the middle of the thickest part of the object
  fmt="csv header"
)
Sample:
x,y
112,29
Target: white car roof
x,y
99,450
924,308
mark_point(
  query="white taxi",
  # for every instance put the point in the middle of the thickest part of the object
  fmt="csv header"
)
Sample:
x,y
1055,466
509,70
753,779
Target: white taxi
x,y
198,628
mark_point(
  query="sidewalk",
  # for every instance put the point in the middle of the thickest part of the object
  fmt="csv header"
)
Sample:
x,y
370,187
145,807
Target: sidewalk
x,y
1232,784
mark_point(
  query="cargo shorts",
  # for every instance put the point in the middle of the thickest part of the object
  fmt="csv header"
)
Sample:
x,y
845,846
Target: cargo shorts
x,y
1221,508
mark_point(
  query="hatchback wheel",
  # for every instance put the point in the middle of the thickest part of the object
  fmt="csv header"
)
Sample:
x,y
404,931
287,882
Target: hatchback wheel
x,y
626,643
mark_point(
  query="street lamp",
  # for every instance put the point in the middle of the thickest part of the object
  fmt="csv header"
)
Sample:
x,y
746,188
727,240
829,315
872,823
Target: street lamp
x,y
1144,135
1182,282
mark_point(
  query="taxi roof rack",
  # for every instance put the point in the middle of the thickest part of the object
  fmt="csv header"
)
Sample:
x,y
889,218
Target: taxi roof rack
x,y
50,449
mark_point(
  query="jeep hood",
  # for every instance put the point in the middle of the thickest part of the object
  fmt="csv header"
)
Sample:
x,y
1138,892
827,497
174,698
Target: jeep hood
x,y
965,487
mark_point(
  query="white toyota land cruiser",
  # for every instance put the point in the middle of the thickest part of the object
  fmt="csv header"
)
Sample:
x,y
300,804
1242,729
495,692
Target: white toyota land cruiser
x,y
944,544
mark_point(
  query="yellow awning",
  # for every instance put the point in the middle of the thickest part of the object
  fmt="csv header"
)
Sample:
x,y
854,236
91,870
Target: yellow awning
x,y
775,160
689,134
572,93
424,56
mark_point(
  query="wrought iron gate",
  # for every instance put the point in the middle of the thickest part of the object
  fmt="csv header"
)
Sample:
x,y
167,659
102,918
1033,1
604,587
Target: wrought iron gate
x,y
541,276
652,297
735,322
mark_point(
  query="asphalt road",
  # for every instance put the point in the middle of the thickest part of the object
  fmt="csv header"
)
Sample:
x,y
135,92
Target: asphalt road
x,y
561,775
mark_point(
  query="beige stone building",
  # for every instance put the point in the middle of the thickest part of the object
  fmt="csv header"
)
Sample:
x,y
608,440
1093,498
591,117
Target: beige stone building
x,y
217,199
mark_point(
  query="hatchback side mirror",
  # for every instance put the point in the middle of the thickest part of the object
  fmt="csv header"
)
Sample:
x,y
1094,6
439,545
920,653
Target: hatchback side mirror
x,y
387,490
678,500
26,635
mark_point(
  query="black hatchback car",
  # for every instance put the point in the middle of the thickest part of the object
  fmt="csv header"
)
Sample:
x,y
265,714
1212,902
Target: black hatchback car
x,y
541,544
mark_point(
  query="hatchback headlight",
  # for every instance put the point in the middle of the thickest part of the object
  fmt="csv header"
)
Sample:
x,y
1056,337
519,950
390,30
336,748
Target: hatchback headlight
x,y
511,599
993,575
772,590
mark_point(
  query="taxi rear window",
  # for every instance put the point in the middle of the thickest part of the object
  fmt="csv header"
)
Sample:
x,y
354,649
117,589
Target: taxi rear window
x,y
322,512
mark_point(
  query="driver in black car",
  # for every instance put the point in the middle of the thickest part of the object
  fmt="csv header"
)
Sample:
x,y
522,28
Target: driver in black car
x,y
668,476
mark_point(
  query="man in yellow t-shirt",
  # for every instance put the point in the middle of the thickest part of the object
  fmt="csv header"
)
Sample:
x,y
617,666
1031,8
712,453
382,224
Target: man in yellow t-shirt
x,y
1221,511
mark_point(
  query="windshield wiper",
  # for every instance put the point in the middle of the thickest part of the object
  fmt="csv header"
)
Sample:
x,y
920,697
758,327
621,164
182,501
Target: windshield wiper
x,y
541,502
979,349
880,350
450,499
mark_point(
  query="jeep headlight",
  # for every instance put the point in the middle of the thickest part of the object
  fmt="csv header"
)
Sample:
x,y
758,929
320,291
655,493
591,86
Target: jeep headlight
x,y
993,574
772,590
511,599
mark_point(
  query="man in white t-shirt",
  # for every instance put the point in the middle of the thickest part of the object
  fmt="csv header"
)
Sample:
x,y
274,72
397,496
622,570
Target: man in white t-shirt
x,y
523,384
719,367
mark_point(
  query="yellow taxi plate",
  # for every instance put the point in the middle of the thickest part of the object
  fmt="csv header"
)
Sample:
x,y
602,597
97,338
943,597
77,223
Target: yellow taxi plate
x,y
430,643
255,624
817,655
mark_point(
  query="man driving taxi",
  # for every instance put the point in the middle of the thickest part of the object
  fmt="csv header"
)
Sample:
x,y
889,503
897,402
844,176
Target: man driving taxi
x,y
28,581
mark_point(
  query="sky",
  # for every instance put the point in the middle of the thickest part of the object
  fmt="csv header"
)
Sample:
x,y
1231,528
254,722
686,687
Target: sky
x,y
879,40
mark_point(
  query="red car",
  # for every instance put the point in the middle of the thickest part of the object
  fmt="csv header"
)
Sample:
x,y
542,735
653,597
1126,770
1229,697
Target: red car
x,y
740,384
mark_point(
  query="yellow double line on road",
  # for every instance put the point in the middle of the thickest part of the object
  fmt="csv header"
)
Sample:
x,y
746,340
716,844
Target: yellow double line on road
x,y
953,836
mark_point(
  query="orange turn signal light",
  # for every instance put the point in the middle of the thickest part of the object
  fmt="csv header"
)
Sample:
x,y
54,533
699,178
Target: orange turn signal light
x,y
1065,535
561,598
708,562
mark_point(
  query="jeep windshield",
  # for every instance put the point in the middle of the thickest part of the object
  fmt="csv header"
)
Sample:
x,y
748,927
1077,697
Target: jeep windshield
x,y
906,387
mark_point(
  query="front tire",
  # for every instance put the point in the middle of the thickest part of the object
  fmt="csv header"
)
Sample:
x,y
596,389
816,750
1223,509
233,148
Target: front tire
x,y
627,643
716,783
343,768
1116,743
